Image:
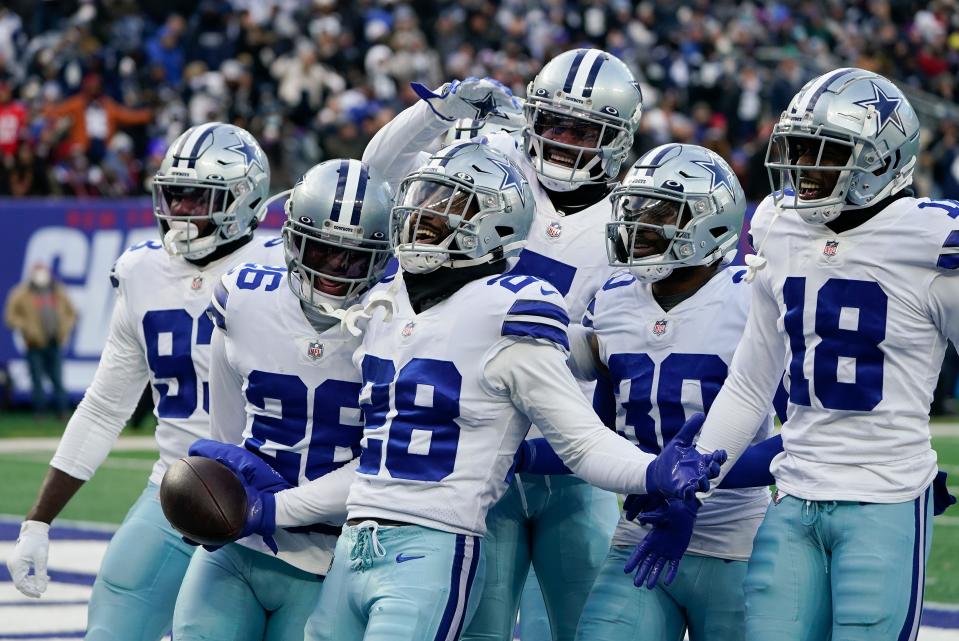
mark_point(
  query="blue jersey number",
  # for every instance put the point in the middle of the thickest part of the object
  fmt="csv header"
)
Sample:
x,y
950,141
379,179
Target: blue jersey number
x,y
861,345
254,277
277,437
169,341
708,370
423,436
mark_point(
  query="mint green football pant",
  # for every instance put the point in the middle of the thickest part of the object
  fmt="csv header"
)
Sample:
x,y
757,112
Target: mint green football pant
x,y
238,594
403,583
846,570
705,599
137,584
562,526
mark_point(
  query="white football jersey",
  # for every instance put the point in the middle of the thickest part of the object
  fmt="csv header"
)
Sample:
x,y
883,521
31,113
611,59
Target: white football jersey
x,y
296,392
160,322
568,251
861,320
440,439
666,366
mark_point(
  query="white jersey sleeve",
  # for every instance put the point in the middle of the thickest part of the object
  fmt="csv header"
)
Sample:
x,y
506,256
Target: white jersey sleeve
x,y
541,385
227,416
320,500
743,402
399,147
110,399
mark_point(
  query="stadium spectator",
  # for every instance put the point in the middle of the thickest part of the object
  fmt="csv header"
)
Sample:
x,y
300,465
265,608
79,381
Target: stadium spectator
x,y
295,71
41,312
95,117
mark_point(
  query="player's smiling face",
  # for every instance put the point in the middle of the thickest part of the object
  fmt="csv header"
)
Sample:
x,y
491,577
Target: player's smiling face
x,y
573,131
331,263
435,203
647,241
817,183
192,203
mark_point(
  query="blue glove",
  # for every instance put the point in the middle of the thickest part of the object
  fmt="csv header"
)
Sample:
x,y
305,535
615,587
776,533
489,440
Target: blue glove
x,y
259,480
680,471
475,98
536,456
941,498
637,503
664,546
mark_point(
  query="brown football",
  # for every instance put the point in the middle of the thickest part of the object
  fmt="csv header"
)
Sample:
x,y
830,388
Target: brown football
x,y
203,500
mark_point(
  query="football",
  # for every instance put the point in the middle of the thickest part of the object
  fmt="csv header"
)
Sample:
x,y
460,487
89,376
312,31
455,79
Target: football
x,y
203,500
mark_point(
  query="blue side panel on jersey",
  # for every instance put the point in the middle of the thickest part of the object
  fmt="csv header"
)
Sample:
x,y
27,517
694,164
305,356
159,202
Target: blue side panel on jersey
x,y
536,330
560,275
539,308
781,400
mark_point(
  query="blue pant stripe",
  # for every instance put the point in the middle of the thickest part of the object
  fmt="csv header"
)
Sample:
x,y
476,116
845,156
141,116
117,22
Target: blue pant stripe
x,y
474,561
452,602
909,629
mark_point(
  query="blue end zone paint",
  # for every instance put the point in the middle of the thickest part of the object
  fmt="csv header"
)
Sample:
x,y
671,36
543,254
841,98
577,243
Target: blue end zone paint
x,y
9,531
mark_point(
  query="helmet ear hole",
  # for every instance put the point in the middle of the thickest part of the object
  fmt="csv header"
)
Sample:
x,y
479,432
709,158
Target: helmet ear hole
x,y
504,231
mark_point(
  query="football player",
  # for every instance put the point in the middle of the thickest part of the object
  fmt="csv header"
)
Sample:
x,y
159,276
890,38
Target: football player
x,y
451,379
855,294
283,384
207,196
664,333
581,112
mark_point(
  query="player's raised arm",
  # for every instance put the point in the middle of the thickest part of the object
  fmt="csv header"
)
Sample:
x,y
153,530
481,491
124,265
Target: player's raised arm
x,y
401,145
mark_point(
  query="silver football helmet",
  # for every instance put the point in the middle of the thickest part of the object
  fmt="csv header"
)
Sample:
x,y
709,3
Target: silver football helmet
x,y
582,110
210,189
679,206
336,234
468,128
469,205
849,138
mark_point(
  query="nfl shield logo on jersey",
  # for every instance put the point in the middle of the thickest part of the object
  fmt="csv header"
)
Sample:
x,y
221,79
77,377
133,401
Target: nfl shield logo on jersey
x,y
554,230
659,327
408,329
314,350
197,283
831,247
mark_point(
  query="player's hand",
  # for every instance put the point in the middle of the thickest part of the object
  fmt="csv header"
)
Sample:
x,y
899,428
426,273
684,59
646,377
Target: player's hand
x,y
941,498
476,98
637,503
664,546
259,480
31,551
680,471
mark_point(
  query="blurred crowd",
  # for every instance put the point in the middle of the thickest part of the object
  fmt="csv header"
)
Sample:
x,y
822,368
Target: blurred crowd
x,y
93,91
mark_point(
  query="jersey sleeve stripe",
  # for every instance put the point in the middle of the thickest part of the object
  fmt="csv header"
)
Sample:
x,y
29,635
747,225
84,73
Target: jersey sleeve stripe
x,y
539,308
537,330
948,261
216,315
221,295
588,316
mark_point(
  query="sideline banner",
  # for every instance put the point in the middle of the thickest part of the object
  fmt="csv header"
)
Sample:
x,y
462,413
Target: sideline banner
x,y
80,240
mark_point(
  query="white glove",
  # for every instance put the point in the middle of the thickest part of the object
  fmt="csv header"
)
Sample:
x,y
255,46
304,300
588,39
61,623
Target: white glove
x,y
32,547
474,98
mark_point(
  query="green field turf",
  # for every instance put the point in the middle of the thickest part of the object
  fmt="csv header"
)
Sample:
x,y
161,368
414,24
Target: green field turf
x,y
118,483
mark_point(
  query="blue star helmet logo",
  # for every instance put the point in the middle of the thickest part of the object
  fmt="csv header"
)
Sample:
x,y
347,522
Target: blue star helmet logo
x,y
886,106
248,151
718,174
485,106
511,178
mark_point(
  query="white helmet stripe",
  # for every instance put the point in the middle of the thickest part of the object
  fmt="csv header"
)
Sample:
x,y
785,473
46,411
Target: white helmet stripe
x,y
583,72
349,193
